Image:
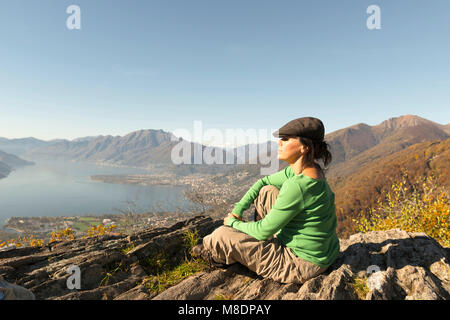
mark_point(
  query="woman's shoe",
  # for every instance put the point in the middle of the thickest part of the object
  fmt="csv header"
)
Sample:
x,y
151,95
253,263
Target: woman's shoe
x,y
197,250
200,251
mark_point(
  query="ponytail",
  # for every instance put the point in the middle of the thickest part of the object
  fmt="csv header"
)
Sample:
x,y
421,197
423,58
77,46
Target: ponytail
x,y
318,150
321,151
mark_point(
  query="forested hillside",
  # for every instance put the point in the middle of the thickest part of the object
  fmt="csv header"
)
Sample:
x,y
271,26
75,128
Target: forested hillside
x,y
364,187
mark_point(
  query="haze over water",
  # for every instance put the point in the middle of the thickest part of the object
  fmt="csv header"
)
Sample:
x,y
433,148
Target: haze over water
x,y
56,188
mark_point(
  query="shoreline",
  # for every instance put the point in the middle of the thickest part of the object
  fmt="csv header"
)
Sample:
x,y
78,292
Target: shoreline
x,y
139,179
12,230
42,226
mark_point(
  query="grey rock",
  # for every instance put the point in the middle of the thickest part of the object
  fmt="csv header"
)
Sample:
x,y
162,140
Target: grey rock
x,y
107,270
407,265
411,266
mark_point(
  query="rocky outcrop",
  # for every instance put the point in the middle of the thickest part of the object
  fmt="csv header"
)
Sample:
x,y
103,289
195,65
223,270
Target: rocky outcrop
x,y
406,265
110,265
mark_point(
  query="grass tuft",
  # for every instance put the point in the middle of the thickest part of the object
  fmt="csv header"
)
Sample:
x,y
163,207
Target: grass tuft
x,y
360,287
164,274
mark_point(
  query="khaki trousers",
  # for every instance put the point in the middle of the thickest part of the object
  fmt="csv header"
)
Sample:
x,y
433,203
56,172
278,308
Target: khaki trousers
x,y
269,258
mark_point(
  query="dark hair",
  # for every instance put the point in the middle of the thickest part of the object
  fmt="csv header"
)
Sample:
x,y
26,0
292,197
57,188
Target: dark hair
x,y
318,150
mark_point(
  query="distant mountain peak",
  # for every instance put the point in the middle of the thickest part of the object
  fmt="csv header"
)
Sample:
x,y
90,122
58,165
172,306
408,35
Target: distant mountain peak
x,y
404,122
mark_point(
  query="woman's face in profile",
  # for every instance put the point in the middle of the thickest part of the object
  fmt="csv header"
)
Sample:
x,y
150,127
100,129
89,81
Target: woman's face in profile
x,y
290,149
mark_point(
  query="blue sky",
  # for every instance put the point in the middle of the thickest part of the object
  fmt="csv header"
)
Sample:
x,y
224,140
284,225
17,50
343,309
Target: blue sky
x,y
230,64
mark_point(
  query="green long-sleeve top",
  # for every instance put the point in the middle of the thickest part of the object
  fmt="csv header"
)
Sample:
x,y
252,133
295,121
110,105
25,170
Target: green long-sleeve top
x,y
303,216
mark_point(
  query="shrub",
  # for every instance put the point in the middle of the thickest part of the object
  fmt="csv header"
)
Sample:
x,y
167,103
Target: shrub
x,y
421,207
65,234
100,230
23,241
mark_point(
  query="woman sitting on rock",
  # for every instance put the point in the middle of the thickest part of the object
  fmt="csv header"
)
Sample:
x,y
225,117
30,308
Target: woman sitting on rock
x,y
293,237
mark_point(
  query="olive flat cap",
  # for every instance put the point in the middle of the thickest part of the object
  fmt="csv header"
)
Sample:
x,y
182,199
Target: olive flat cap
x,y
307,127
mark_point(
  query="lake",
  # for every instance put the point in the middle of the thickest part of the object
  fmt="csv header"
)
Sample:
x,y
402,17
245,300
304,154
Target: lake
x,y
56,188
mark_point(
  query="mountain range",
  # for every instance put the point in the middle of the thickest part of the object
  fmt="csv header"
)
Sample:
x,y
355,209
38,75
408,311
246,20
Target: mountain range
x,y
149,149
364,156
351,147
20,146
357,145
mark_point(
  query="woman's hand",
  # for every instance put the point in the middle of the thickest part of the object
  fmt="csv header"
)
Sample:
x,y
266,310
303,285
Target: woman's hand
x,y
231,215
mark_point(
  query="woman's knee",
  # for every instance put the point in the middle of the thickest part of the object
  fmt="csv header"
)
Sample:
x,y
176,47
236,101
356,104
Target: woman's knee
x,y
265,200
269,189
218,235
266,193
223,232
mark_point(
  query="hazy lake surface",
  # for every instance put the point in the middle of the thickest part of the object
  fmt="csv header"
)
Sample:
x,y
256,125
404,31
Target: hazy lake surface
x,y
65,189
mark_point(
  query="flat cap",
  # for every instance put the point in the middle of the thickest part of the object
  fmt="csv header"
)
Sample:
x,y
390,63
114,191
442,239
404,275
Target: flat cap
x,y
307,127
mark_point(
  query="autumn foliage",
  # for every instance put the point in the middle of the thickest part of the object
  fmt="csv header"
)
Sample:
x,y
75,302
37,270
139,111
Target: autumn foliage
x,y
23,241
371,183
66,234
421,207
